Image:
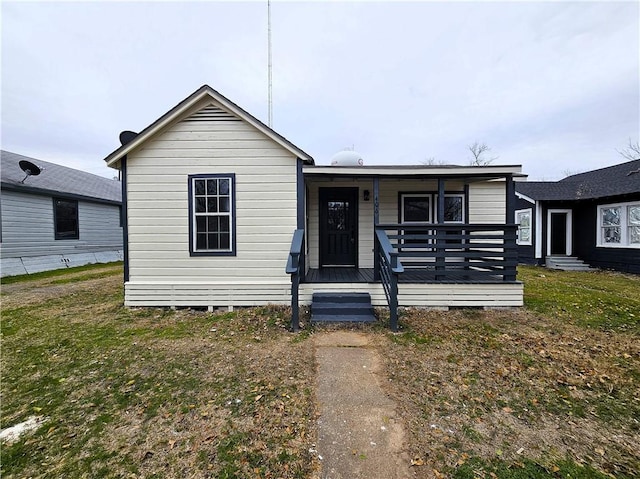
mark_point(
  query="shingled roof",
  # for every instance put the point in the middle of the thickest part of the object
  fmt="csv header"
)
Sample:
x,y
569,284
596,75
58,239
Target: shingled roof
x,y
57,179
614,180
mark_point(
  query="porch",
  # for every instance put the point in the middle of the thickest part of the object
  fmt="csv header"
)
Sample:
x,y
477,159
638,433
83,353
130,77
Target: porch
x,y
445,266
406,237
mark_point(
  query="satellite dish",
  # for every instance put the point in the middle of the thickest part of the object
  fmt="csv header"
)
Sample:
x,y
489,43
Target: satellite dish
x,y
29,168
127,137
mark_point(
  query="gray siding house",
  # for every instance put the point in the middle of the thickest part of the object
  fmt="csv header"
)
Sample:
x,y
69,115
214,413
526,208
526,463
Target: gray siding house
x,y
60,218
221,210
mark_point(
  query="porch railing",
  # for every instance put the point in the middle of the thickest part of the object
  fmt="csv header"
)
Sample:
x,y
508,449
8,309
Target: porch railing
x,y
388,268
295,265
456,252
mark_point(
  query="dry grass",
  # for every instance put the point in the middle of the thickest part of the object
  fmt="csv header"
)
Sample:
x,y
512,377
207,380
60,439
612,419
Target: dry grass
x,y
517,388
537,392
151,392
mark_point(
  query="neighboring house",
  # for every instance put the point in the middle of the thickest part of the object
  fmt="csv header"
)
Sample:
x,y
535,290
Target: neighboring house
x,y
594,216
213,196
57,219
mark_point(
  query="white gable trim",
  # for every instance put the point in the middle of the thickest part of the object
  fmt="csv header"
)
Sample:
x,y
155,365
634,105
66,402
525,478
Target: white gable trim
x,y
182,108
525,198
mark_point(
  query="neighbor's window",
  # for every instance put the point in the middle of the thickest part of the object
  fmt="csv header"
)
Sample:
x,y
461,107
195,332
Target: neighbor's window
x,y
523,220
65,219
619,225
212,214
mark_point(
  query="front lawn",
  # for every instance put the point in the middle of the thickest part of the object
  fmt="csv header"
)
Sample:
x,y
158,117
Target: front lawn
x,y
552,390
546,391
150,392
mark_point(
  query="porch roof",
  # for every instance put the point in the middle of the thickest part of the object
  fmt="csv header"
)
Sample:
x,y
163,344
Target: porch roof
x,y
416,171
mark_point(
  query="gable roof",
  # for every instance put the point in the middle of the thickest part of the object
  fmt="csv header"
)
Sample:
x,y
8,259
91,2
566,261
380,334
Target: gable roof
x,y
614,180
182,107
57,179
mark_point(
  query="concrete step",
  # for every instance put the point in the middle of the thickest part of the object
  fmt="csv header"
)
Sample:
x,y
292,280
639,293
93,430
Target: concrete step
x,y
567,263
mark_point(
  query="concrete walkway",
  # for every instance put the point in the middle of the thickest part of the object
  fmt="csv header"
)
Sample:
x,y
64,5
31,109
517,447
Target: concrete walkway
x,y
359,435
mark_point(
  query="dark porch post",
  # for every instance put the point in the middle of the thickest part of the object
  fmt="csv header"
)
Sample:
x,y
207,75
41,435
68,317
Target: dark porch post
x,y
440,260
510,247
301,209
376,221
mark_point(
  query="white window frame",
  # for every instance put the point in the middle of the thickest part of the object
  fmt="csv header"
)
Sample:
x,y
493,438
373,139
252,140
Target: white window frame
x,y
519,240
449,195
624,226
416,195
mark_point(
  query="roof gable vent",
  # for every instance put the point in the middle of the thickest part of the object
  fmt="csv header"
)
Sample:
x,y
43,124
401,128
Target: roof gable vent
x,y
212,113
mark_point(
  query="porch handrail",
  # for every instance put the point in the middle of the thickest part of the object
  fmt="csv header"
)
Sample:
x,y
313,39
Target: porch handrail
x,y
389,268
294,268
456,250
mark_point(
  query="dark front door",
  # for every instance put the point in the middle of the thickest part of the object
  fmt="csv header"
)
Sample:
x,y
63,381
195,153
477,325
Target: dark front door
x,y
558,233
338,226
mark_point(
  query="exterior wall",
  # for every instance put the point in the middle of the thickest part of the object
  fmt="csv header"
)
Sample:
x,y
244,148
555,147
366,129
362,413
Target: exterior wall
x,y
585,229
429,295
526,253
487,202
158,216
28,242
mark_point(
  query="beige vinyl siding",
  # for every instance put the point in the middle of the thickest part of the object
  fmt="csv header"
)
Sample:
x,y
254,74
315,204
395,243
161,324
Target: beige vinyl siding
x,y
158,222
487,202
239,293
443,295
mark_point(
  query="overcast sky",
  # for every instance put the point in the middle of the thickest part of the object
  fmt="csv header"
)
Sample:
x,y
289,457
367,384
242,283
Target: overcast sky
x,y
553,86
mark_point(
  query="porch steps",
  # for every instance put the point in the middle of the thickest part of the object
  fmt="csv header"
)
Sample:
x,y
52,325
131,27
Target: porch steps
x,y
567,263
342,308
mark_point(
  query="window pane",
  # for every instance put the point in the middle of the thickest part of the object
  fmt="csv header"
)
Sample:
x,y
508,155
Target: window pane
x,y
634,215
201,241
200,205
212,205
525,234
524,219
66,215
224,224
416,209
199,187
634,235
224,187
453,208
612,234
224,205
213,224
224,241
213,241
212,187
610,216
201,224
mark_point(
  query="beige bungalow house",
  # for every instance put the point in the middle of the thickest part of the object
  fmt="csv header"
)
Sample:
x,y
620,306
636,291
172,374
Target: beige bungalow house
x,y
222,211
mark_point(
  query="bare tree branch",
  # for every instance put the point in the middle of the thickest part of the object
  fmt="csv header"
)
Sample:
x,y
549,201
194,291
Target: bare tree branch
x,y
631,151
431,161
479,152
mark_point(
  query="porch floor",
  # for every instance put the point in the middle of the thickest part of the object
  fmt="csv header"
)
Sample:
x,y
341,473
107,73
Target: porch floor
x,y
365,275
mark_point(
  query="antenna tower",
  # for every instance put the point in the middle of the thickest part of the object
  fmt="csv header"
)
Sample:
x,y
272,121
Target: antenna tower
x,y
270,64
